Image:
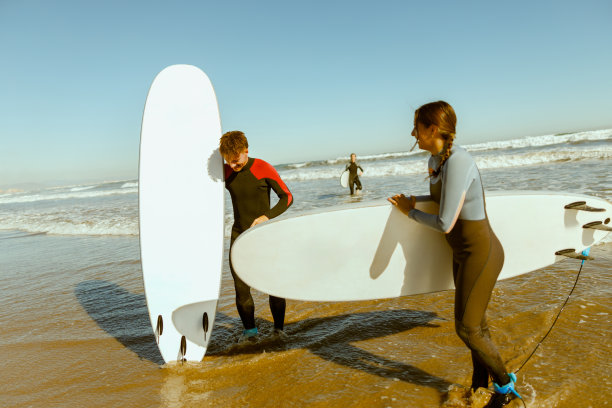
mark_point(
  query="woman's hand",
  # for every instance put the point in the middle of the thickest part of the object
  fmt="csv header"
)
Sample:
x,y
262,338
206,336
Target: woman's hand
x,y
403,203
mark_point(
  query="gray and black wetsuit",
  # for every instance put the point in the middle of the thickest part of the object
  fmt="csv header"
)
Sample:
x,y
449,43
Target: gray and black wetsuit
x,y
478,256
353,177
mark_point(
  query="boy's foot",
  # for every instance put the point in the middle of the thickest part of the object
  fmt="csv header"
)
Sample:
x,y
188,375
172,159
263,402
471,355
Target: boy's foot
x,y
248,334
280,335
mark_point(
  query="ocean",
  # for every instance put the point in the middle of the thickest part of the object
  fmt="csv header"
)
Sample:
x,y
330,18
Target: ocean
x,y
75,328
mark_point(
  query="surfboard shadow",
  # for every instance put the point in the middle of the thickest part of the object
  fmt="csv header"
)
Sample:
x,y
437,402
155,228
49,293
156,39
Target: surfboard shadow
x,y
434,271
121,314
330,338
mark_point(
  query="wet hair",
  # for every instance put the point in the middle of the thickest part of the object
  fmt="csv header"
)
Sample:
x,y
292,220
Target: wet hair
x,y
233,143
442,115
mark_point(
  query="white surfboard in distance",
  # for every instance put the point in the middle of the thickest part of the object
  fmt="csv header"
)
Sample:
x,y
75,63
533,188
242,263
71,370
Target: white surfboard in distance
x,y
181,210
374,251
344,178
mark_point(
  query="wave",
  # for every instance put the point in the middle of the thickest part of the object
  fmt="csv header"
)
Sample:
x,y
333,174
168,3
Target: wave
x,y
65,195
82,221
69,226
74,189
540,141
489,159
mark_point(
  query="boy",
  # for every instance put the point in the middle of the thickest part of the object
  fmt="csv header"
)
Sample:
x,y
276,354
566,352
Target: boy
x,y
249,182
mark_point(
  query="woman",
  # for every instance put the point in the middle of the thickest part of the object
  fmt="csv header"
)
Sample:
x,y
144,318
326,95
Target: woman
x,y
478,256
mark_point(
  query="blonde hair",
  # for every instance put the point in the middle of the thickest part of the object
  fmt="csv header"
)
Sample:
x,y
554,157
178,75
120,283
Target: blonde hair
x,y
442,115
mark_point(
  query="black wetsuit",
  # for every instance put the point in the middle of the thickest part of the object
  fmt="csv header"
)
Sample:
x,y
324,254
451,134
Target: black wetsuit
x,y
478,256
250,191
353,177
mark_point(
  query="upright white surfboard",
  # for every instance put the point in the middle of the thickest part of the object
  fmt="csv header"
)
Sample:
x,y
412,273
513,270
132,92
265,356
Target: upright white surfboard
x,y
181,210
374,251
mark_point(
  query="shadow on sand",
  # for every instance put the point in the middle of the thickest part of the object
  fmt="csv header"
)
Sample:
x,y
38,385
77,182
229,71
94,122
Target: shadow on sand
x,y
330,338
124,316
121,314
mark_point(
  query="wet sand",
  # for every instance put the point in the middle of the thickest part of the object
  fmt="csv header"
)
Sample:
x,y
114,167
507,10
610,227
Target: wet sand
x,y
75,332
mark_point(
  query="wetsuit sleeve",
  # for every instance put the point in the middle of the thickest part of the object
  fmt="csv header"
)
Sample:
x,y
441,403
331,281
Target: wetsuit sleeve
x,y
422,198
456,179
263,170
360,168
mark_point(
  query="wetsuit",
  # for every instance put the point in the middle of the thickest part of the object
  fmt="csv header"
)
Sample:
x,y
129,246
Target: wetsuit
x,y
353,177
477,256
249,189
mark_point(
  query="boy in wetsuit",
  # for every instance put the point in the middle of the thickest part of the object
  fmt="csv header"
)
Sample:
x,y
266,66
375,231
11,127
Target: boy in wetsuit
x,y
353,177
249,182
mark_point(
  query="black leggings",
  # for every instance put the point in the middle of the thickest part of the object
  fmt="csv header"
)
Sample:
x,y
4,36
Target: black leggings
x,y
477,260
244,300
354,181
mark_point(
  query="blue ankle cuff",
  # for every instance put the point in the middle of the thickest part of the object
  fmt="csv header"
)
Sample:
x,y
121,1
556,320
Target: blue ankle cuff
x,y
250,332
508,388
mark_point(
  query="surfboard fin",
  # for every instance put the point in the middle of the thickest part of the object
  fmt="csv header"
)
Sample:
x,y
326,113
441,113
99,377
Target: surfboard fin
x,y
159,328
598,225
571,253
205,324
581,206
183,349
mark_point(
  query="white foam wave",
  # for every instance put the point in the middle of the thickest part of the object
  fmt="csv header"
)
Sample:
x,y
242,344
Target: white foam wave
x,y
70,194
484,159
65,224
130,185
523,142
540,141
81,188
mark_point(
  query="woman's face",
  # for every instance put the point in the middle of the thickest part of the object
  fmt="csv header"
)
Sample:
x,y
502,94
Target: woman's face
x,y
428,138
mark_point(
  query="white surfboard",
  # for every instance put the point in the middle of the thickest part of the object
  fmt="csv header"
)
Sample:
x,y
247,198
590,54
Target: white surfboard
x,y
374,251
181,210
344,178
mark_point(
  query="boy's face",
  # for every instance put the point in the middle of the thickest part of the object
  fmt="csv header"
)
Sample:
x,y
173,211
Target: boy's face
x,y
237,162
353,158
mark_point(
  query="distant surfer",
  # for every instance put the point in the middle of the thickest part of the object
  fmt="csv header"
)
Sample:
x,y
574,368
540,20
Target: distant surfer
x,y
353,176
478,256
249,182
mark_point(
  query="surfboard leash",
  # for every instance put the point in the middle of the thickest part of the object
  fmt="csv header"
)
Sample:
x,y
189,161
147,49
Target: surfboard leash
x,y
585,256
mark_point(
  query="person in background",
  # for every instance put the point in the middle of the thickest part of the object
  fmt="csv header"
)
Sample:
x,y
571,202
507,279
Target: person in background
x,y
353,176
249,181
478,257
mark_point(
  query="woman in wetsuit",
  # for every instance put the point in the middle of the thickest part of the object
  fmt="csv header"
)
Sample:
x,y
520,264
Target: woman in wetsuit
x,y
478,256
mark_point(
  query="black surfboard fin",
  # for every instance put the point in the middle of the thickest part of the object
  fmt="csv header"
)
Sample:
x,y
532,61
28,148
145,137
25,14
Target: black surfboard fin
x,y
205,324
183,349
159,329
598,225
571,253
581,206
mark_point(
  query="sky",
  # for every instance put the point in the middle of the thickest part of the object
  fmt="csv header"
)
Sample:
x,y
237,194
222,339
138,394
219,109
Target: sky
x,y
307,80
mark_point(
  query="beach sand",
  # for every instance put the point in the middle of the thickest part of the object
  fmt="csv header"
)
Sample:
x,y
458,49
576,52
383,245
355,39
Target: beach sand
x,y
75,332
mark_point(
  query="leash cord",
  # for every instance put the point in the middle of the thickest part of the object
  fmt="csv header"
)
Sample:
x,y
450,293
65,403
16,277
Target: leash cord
x,y
555,321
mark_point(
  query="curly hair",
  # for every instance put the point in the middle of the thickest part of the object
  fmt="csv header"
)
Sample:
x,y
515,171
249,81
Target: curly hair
x,y
233,143
442,115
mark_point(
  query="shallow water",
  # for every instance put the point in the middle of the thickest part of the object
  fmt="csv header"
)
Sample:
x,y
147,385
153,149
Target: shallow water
x,y
76,332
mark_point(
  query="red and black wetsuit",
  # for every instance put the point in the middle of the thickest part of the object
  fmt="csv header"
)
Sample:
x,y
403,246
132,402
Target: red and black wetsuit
x,y
250,191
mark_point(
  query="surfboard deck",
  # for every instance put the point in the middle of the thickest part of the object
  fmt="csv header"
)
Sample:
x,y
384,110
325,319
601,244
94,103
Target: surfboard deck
x,y
344,178
181,210
374,251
